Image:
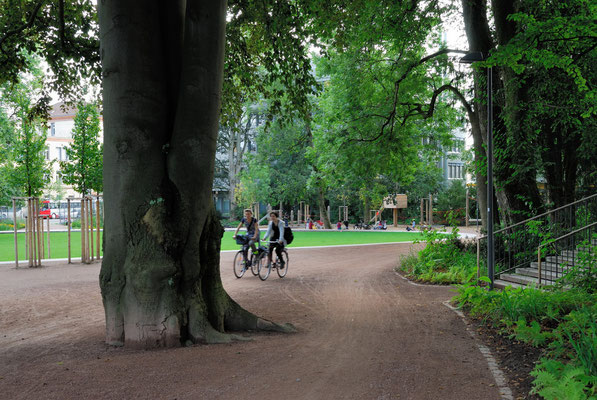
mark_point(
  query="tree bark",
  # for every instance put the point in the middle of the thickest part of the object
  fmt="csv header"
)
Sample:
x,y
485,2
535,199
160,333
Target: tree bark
x,y
162,73
516,191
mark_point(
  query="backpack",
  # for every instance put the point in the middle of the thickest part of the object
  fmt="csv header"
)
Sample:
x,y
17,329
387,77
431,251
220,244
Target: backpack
x,y
288,235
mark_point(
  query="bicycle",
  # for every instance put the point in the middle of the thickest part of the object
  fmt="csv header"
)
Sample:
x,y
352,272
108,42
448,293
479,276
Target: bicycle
x,y
239,264
264,267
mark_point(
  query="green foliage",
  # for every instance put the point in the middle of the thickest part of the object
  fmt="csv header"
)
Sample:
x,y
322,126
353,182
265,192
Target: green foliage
x,y
454,197
564,323
555,380
583,274
64,34
532,333
279,171
443,260
85,166
23,163
8,225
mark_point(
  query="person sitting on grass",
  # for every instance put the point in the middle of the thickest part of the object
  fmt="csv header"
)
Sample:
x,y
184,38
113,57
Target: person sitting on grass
x,y
275,231
250,223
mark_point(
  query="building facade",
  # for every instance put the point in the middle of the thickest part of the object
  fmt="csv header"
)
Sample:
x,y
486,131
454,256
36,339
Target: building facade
x,y
60,127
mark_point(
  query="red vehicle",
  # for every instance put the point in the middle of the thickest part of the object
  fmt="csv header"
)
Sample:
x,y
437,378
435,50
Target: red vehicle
x,y
48,210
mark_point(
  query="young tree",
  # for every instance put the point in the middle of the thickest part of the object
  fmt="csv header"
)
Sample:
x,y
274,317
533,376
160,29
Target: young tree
x,y
23,148
83,169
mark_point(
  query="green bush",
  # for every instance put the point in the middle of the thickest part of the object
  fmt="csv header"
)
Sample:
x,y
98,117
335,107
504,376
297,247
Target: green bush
x,y
445,259
76,224
226,223
563,323
8,225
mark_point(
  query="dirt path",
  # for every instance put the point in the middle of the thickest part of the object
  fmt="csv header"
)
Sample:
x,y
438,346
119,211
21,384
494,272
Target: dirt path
x,y
363,333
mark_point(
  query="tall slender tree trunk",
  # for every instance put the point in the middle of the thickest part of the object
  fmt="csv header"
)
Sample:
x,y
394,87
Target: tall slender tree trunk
x,y
162,74
323,212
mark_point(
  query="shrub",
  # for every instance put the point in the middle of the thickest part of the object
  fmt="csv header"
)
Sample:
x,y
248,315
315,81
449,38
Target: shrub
x,y
9,225
562,322
445,259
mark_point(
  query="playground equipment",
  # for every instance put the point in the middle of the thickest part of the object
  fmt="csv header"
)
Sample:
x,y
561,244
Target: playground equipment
x,y
343,213
427,211
303,213
35,241
400,201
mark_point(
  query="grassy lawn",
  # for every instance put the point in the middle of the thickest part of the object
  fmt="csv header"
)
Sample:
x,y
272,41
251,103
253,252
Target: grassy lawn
x,y
58,245
58,241
328,238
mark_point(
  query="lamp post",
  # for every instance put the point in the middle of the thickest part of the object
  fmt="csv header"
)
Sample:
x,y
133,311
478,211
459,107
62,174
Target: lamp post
x,y
470,58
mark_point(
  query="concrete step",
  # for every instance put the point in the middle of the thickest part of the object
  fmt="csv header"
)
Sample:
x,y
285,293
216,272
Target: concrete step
x,y
550,266
560,259
545,275
500,284
520,279
572,253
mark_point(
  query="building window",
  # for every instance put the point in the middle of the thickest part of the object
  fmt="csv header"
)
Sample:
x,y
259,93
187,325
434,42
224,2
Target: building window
x,y
59,153
52,129
58,177
47,153
455,171
457,146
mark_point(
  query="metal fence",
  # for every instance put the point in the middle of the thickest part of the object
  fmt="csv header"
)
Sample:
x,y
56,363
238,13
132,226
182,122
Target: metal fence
x,y
569,256
516,246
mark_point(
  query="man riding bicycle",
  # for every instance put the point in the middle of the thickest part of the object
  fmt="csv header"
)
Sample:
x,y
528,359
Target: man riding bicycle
x,y
250,223
275,231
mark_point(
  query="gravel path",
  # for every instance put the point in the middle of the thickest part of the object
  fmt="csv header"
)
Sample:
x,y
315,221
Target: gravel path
x,y
363,333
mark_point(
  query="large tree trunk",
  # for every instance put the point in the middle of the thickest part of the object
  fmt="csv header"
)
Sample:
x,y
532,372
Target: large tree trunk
x,y
515,169
515,174
162,69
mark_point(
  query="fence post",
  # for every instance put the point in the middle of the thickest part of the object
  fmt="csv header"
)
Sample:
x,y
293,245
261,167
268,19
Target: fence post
x,y
14,218
39,238
49,255
90,201
68,223
83,212
478,258
43,239
28,249
97,221
539,265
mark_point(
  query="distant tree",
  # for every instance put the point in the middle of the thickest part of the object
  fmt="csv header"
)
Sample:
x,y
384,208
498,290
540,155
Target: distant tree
x,y
83,169
23,163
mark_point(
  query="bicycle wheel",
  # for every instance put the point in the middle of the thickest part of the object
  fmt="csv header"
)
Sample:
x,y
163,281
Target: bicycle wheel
x,y
255,261
264,268
239,264
283,271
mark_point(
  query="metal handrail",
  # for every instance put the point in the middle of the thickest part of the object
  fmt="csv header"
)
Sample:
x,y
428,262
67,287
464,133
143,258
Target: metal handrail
x,y
552,241
541,215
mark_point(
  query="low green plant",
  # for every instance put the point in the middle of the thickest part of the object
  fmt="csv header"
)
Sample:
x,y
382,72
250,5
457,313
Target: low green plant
x,y
563,323
9,225
444,260
76,224
583,274
556,380
532,334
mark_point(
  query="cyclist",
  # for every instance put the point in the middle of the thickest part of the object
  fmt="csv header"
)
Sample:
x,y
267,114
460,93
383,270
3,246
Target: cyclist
x,y
250,223
275,231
